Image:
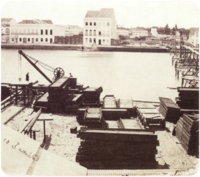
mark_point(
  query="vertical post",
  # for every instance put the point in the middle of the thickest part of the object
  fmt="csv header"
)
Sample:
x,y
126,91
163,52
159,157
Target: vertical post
x,y
31,134
16,95
34,135
44,131
24,94
28,92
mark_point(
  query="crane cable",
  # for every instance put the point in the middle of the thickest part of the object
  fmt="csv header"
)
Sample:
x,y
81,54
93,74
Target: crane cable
x,y
47,67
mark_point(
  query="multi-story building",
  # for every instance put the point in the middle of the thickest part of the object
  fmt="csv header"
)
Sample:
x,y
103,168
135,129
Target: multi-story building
x,y
71,30
194,37
5,29
100,27
35,32
123,32
138,33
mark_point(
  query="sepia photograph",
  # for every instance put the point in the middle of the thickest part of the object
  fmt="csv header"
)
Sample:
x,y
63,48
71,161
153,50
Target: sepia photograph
x,y
99,88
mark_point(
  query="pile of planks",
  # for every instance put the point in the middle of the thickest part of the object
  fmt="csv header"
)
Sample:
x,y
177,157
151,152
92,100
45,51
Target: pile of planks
x,y
150,116
129,124
126,104
187,132
93,118
169,109
117,149
72,102
188,98
109,102
91,96
58,92
42,101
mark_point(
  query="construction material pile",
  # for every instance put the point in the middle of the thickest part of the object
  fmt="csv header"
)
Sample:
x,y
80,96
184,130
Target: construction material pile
x,y
58,91
129,124
169,110
187,132
126,104
93,118
91,96
72,103
188,98
117,149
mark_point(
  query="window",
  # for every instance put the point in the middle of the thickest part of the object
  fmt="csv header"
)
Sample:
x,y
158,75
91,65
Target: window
x,y
99,33
32,30
86,32
86,23
90,32
12,39
20,39
51,32
86,40
46,32
41,32
36,39
108,24
94,32
7,30
90,40
104,40
107,40
41,39
20,31
28,30
28,39
46,39
95,40
94,23
90,23
24,31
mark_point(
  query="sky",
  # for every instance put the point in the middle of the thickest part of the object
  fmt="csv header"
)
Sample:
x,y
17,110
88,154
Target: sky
x,y
127,13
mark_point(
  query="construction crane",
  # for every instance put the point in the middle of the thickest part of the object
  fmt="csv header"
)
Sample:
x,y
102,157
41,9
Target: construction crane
x,y
58,72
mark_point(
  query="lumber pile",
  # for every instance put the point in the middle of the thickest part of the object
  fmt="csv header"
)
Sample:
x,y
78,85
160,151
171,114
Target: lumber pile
x,y
109,102
93,118
188,98
129,124
117,149
169,109
91,96
187,132
126,104
72,102
42,101
150,116
112,124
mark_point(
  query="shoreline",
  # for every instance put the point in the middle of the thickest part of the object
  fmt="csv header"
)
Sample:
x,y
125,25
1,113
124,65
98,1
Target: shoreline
x,y
79,48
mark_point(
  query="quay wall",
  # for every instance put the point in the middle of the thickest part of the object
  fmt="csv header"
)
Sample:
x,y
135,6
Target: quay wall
x,y
79,47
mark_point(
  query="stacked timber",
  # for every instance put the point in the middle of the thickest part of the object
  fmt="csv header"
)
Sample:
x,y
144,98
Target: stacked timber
x,y
129,124
112,124
72,102
93,118
188,98
42,101
109,102
169,109
150,116
91,96
57,93
117,149
126,104
187,132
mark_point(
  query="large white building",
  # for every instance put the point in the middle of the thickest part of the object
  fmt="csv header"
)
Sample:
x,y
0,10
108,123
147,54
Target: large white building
x,y
138,33
99,27
35,32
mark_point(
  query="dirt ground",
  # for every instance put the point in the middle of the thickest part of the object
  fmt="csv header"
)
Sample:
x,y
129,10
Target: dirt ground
x,y
60,141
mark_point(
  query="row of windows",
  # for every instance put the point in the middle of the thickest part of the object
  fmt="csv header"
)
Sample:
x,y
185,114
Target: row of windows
x,y
89,40
46,31
95,24
36,39
89,32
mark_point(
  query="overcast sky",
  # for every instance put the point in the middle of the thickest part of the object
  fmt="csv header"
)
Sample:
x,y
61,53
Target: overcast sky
x,y
127,13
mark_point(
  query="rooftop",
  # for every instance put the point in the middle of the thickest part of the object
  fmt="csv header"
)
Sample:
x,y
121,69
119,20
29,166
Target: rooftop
x,y
6,19
36,21
103,13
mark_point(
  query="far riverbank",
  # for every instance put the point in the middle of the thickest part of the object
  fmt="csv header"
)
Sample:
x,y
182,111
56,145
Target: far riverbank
x,y
79,48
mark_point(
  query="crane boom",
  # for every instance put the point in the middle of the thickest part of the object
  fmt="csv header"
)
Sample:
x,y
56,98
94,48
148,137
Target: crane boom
x,y
34,65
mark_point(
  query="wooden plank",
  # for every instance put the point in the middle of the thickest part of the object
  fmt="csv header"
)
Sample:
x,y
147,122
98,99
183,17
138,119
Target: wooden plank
x,y
9,113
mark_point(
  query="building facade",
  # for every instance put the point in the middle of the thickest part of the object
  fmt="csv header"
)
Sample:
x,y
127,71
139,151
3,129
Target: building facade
x,y
6,24
138,33
99,27
35,32
123,32
71,30
194,37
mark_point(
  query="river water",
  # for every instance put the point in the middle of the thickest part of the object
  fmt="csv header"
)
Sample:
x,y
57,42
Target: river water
x,y
139,76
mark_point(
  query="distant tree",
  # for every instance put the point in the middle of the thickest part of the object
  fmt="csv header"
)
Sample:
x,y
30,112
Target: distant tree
x,y
167,29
